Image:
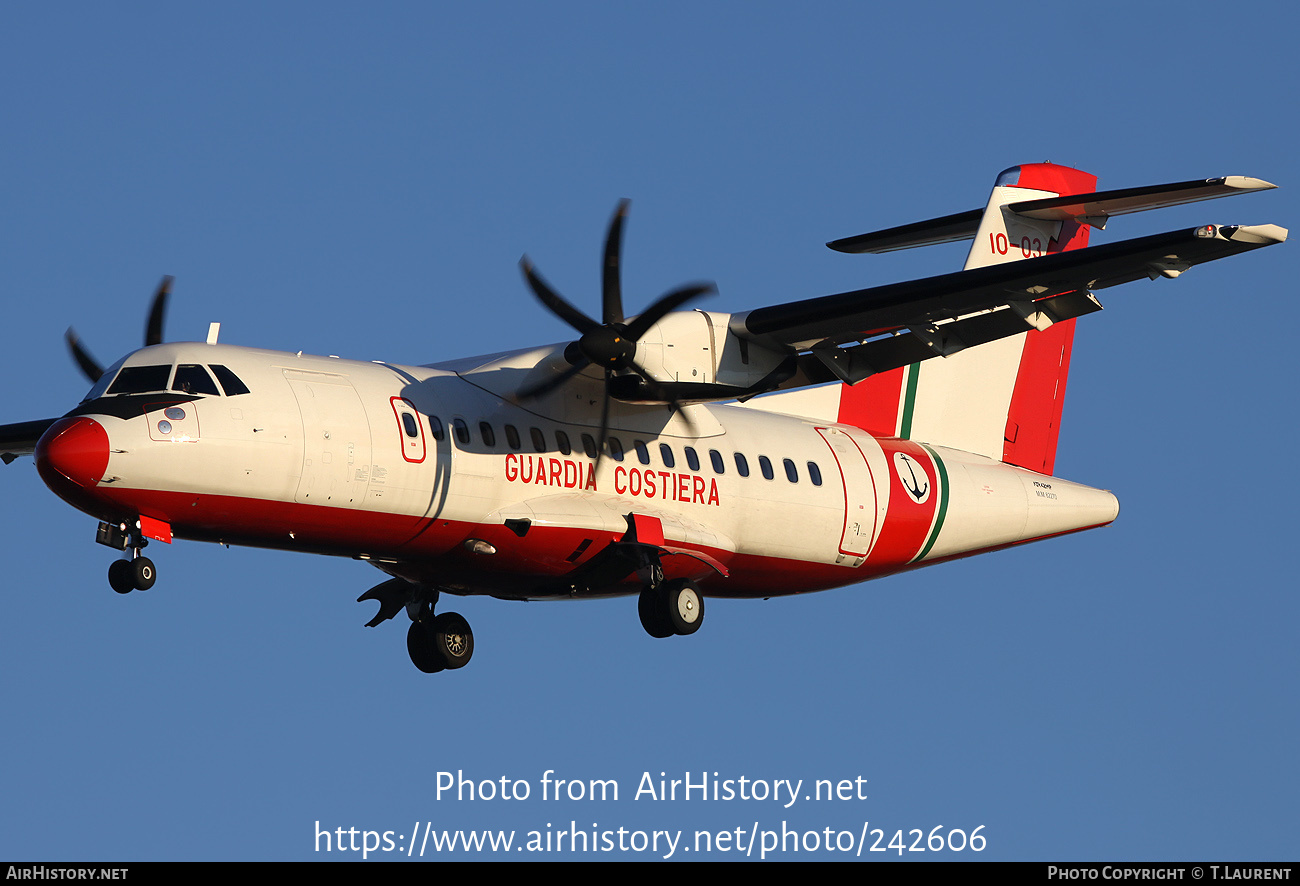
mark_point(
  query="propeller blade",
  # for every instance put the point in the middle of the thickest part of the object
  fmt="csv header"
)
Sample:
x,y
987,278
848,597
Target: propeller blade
x,y
153,330
663,394
557,305
611,289
89,366
545,386
665,305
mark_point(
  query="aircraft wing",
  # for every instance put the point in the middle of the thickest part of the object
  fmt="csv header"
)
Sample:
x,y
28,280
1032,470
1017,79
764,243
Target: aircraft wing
x,y
1024,287
20,439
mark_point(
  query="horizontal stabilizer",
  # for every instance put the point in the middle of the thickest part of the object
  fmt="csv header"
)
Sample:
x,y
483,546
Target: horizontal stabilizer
x,y
948,229
1091,209
1094,209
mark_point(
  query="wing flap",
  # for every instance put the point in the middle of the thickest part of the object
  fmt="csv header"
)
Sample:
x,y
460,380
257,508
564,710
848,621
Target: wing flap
x,y
853,364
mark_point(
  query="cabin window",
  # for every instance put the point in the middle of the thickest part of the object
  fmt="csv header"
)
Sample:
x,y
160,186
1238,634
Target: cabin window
x,y
191,378
814,473
616,448
666,452
589,445
435,427
692,458
642,454
230,382
765,465
539,439
141,379
408,424
462,431
719,466
791,472
489,435
512,437
742,464
562,441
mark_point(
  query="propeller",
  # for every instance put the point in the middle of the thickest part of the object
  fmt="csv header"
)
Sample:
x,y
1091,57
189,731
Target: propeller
x,y
153,333
611,343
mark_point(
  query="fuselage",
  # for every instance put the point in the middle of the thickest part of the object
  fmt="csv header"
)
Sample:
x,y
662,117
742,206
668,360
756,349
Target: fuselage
x,y
438,480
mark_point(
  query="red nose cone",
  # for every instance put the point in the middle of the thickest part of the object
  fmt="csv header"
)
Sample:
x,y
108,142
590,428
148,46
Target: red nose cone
x,y
72,457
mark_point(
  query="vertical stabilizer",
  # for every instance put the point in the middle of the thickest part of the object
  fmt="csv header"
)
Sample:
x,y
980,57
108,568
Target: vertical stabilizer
x,y
1002,399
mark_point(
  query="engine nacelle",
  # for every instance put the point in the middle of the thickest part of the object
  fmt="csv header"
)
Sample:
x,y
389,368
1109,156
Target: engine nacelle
x,y
698,347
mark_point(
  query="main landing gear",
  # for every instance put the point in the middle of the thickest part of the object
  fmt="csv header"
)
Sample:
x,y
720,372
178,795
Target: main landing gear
x,y
439,642
671,607
442,642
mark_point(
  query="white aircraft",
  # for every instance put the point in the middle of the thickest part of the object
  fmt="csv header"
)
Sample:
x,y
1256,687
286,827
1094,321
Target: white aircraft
x,y
639,459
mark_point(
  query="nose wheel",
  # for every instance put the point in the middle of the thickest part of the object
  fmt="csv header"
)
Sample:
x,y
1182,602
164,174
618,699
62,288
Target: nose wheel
x,y
125,576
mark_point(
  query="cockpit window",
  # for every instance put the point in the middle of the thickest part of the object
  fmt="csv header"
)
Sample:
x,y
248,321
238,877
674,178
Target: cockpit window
x,y
230,382
102,384
141,379
192,378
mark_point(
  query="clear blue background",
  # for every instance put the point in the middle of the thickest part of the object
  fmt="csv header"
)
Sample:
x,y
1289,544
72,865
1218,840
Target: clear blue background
x,y
363,183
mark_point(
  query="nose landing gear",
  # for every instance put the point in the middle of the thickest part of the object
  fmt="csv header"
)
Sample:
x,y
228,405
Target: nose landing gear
x,y
125,576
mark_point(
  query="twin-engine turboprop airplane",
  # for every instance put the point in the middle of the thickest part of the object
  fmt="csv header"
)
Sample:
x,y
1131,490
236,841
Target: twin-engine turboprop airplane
x,y
633,459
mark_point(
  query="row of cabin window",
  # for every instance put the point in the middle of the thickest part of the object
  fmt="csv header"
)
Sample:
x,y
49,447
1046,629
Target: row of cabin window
x,y
461,431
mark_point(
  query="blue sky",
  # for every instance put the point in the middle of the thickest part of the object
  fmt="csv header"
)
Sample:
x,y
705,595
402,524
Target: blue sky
x,y
363,183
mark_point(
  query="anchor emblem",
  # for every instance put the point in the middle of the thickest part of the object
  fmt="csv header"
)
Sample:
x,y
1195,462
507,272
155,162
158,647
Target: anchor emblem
x,y
913,476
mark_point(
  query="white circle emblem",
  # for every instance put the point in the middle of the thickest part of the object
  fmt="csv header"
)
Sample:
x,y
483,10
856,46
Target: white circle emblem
x,y
911,473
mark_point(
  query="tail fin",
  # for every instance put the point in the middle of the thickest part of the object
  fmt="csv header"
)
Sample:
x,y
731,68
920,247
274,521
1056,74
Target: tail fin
x,y
1002,399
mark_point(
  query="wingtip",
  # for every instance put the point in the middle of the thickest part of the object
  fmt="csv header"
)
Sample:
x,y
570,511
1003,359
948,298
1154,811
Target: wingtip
x,y
1266,234
1246,183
